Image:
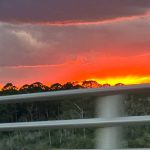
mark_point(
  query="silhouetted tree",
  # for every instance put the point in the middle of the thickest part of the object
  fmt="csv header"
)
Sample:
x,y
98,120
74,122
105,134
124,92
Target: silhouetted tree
x,y
106,85
68,86
25,89
9,89
34,87
77,85
119,84
56,87
90,84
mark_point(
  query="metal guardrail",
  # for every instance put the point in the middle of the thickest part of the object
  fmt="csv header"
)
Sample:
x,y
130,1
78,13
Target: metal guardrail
x,y
76,123
107,121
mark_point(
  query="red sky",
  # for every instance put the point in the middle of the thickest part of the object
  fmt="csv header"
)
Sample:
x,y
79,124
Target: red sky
x,y
107,42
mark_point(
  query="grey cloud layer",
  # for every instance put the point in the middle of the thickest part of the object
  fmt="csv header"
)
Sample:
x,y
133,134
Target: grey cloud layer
x,y
52,11
41,45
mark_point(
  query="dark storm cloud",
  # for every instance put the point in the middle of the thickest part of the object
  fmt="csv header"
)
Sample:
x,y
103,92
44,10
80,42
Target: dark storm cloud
x,y
66,11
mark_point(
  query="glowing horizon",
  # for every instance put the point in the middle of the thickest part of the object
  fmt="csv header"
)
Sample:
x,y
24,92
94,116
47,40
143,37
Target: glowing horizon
x,y
127,80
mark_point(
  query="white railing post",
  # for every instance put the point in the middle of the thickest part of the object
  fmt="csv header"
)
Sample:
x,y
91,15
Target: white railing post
x,y
109,107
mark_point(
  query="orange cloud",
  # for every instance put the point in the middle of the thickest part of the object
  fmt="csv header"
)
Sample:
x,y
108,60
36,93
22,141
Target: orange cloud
x,y
112,70
93,22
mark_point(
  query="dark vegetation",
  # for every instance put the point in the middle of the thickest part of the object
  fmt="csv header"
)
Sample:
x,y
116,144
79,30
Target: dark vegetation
x,y
84,107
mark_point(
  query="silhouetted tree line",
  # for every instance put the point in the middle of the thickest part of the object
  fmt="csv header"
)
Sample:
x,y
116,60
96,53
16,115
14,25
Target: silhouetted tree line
x,y
72,108
9,88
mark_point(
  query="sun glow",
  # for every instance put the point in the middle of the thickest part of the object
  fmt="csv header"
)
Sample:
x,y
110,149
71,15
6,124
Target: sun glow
x,y
125,80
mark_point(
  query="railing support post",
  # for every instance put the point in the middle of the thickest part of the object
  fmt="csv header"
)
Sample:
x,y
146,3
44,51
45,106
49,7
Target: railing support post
x,y
108,107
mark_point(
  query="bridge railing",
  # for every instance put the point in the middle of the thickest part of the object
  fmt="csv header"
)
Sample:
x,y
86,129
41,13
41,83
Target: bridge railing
x,y
109,118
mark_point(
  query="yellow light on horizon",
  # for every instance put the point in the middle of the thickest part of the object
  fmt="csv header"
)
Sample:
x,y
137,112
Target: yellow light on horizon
x,y
127,80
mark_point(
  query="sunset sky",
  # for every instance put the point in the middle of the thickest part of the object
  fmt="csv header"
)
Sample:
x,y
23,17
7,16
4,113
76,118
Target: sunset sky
x,y
73,40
